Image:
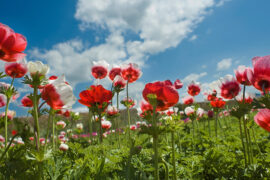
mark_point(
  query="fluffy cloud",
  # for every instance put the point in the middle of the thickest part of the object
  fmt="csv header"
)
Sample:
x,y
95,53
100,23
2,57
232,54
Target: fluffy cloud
x,y
193,77
224,64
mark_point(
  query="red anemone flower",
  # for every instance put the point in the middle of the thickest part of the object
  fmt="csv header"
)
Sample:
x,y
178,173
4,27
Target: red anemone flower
x,y
241,75
261,73
26,101
96,95
145,106
167,96
16,69
11,44
188,100
262,118
218,103
178,84
194,88
116,70
229,87
99,69
119,82
131,72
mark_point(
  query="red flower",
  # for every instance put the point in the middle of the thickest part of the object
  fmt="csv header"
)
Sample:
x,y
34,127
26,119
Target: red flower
x,y
241,75
11,44
178,84
96,95
165,92
248,98
188,100
194,89
131,72
145,106
210,114
99,69
218,103
26,101
261,75
114,72
229,87
262,118
16,69
14,132
106,124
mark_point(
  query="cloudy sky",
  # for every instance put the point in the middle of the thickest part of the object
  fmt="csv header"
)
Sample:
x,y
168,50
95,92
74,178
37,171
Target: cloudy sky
x,y
199,40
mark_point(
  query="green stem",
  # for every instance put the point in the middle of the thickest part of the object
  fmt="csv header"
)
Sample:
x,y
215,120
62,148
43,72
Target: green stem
x,y
128,114
173,156
90,124
49,123
35,108
100,128
53,132
117,119
243,144
216,122
155,141
209,128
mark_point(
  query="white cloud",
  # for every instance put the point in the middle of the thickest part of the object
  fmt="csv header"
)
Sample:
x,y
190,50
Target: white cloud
x,y
221,2
224,64
193,77
193,38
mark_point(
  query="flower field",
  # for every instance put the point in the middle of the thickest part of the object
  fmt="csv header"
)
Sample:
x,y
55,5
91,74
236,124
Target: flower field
x,y
167,137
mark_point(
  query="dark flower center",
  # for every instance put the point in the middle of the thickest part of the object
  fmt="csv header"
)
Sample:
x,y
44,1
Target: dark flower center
x,y
264,84
2,53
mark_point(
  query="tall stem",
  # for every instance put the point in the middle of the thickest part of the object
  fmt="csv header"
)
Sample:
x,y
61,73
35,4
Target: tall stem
x,y
155,141
117,119
173,156
209,129
100,128
35,113
6,111
53,132
216,122
90,124
128,113
49,123
243,144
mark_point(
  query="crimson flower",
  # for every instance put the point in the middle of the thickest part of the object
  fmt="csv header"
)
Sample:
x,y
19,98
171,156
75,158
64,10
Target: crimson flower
x,y
218,103
96,95
26,101
112,111
261,73
166,95
3,100
16,69
188,100
229,87
262,118
194,88
116,70
241,75
178,84
131,72
119,82
14,132
99,69
11,44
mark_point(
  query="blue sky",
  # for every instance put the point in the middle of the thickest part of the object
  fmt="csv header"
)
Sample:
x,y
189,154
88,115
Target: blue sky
x,y
184,39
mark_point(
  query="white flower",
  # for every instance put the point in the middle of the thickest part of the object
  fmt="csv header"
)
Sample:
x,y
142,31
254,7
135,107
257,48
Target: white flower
x,y
37,68
189,110
63,147
79,126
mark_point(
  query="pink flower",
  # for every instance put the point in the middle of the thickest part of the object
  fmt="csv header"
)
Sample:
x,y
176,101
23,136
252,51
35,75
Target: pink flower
x,y
99,69
260,77
116,70
189,111
111,110
229,87
133,127
63,147
10,114
194,88
106,124
241,75
119,82
188,100
178,84
3,100
131,72
61,124
200,112
2,139
58,94
11,44
262,118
